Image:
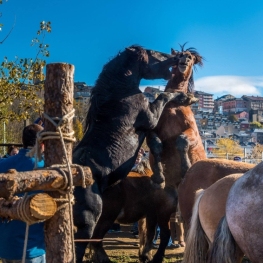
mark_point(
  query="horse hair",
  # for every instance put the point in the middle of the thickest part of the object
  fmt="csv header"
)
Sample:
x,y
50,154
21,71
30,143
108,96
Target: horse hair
x,y
224,247
196,240
199,62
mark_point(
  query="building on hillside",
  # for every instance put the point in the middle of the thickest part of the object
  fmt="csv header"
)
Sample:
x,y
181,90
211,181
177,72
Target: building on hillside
x,y
152,93
218,103
242,115
234,105
205,102
256,115
82,92
255,107
244,126
258,135
149,96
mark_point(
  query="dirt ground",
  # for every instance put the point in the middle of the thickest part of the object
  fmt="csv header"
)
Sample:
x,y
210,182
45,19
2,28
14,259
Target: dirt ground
x,y
123,247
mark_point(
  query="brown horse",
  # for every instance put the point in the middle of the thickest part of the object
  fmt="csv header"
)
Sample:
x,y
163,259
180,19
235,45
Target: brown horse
x,y
177,135
202,175
135,197
208,210
242,226
176,129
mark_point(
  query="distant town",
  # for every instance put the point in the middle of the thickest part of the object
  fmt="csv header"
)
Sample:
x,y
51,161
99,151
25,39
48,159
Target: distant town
x,y
225,117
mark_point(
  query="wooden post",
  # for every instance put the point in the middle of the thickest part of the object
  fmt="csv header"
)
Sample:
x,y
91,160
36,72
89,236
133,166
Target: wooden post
x,y
59,87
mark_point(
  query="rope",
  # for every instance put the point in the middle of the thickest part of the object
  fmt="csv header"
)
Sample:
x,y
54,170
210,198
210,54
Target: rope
x,y
69,137
67,189
43,135
21,211
25,244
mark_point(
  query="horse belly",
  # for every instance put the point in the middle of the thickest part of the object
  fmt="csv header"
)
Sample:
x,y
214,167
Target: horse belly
x,y
139,199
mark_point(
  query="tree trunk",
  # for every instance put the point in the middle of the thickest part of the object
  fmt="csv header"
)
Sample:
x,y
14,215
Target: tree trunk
x,y
59,87
36,208
14,182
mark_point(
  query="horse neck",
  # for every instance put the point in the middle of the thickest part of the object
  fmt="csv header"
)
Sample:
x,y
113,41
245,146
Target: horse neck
x,y
177,84
116,79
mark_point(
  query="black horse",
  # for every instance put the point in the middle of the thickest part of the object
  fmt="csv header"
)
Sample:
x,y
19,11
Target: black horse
x,y
118,120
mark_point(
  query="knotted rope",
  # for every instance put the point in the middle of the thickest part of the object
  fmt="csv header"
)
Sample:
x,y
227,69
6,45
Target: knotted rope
x,y
21,211
68,186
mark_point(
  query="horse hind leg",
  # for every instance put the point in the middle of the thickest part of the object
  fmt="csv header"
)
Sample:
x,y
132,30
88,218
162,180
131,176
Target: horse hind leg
x,y
155,145
182,145
148,227
143,256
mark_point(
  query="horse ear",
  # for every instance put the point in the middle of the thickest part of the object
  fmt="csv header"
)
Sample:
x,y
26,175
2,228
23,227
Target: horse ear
x,y
173,52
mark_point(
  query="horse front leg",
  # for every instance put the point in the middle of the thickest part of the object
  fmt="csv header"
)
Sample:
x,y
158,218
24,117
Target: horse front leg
x,y
102,227
86,212
155,145
182,145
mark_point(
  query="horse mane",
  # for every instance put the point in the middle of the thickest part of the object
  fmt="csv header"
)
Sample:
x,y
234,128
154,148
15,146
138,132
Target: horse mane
x,y
113,71
199,61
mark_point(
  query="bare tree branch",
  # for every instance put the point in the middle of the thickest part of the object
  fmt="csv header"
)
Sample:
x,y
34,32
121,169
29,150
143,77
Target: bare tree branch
x,y
1,42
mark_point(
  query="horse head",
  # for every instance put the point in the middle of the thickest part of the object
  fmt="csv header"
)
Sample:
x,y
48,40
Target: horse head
x,y
182,72
155,64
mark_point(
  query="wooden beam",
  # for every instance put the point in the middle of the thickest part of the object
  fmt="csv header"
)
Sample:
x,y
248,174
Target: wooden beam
x,y
37,207
14,182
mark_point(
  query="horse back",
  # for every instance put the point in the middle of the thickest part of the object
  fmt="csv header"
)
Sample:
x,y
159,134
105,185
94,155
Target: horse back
x,y
201,175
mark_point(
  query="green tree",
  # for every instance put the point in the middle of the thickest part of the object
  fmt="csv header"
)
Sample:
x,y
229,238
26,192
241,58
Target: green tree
x,y
255,125
256,153
78,129
227,147
232,118
21,81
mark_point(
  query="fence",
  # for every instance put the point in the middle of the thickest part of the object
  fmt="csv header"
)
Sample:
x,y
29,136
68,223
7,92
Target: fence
x,y
228,156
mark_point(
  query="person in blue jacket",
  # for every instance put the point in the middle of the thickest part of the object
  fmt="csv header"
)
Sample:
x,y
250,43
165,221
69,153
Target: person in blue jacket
x,y
12,233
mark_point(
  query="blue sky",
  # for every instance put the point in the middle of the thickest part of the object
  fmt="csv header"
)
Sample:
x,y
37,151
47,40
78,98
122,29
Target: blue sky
x,y
85,33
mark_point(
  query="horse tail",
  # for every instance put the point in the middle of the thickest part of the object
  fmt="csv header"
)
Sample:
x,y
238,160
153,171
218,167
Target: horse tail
x,y
197,243
224,248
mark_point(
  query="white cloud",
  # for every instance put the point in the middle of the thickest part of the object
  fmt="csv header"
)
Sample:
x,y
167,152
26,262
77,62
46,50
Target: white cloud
x,y
234,85
222,85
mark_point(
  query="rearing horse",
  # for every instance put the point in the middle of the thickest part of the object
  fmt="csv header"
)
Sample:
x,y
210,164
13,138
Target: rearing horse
x,y
118,120
181,145
176,137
